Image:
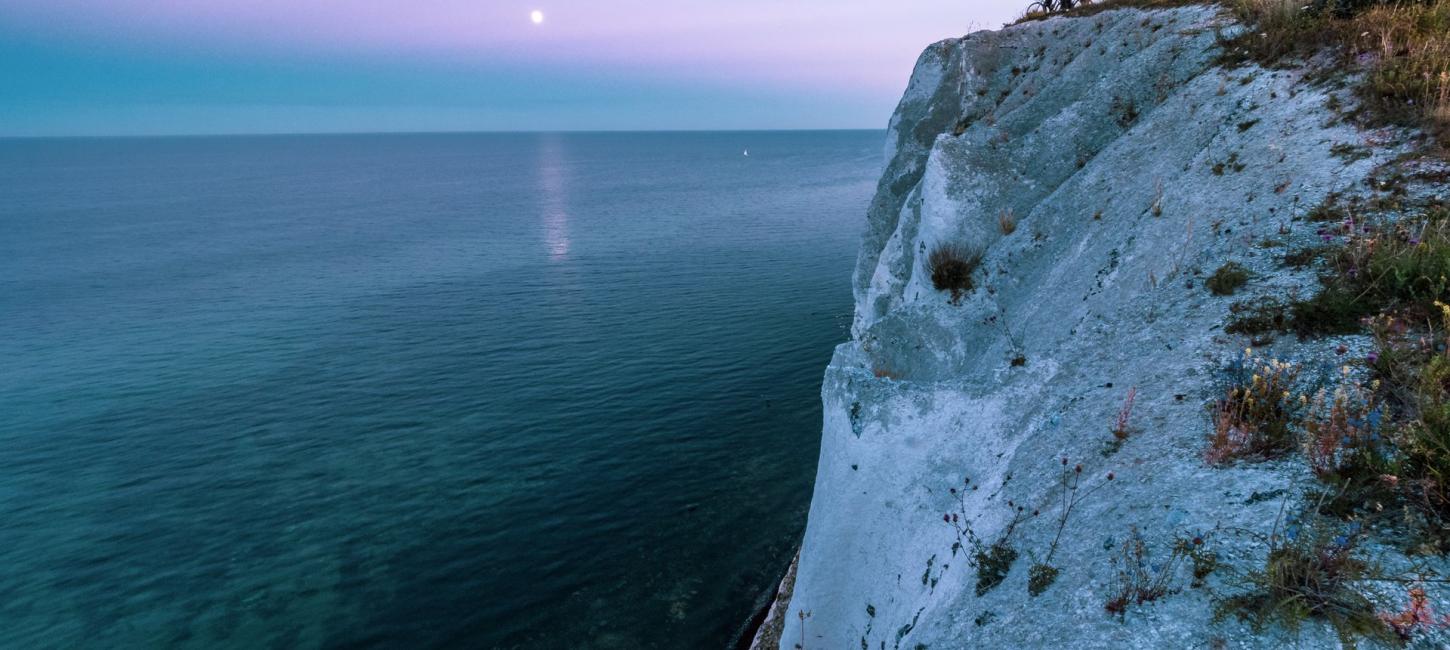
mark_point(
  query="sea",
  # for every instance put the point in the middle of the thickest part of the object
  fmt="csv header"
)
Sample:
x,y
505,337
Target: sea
x,y
534,390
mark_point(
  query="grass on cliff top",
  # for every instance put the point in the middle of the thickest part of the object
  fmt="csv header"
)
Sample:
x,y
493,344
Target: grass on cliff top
x,y
1401,48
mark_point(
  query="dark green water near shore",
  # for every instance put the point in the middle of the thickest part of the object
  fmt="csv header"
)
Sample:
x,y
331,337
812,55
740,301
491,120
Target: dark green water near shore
x,y
533,390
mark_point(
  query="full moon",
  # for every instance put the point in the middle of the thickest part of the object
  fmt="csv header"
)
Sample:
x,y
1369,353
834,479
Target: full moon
x,y
537,16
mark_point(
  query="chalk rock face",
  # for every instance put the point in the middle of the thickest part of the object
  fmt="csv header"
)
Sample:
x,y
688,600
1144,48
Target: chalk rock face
x,y
1131,166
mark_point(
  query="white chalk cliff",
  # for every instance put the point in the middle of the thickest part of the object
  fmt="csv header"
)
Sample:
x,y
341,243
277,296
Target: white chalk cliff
x,y
1133,165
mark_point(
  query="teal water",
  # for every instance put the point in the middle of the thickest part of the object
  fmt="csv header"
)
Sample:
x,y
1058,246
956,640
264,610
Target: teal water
x,y
424,391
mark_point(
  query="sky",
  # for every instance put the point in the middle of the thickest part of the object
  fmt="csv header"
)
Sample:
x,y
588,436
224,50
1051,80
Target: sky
x,y
149,67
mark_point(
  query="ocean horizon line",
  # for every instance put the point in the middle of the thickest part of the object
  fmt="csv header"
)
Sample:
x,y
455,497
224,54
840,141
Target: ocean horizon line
x,y
292,134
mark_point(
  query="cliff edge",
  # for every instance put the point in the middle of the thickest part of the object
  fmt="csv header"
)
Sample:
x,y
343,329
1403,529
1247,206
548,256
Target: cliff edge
x,y
1103,167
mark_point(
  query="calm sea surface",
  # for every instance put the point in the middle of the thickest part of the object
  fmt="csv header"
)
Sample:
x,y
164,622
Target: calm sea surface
x,y
533,391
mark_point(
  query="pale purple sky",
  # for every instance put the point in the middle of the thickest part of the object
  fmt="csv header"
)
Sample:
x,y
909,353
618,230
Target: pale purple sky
x,y
198,66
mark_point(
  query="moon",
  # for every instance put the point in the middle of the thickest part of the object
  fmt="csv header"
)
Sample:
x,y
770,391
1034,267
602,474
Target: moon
x,y
537,16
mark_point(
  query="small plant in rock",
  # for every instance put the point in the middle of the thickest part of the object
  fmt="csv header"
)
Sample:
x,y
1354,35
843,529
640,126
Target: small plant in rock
x,y
1227,279
1229,164
1347,444
1257,415
992,561
1120,425
1007,221
1312,571
803,615
1417,618
1257,318
1302,257
1125,110
1140,580
1344,434
951,267
1205,562
1122,429
1042,573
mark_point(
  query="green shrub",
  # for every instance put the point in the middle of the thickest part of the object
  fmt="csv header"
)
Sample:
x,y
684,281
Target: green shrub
x,y
1227,279
1311,572
1331,311
1259,317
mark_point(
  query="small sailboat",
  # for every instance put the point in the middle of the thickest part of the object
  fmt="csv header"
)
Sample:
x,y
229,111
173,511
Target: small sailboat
x,y
747,153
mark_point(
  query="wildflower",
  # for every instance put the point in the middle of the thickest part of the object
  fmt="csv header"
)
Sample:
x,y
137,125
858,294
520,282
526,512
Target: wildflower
x,y
946,518
1341,541
952,490
1077,468
1110,476
1372,357
1390,479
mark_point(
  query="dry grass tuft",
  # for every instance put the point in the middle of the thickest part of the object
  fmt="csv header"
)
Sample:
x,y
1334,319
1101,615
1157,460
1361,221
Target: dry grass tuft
x,y
951,267
1007,221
